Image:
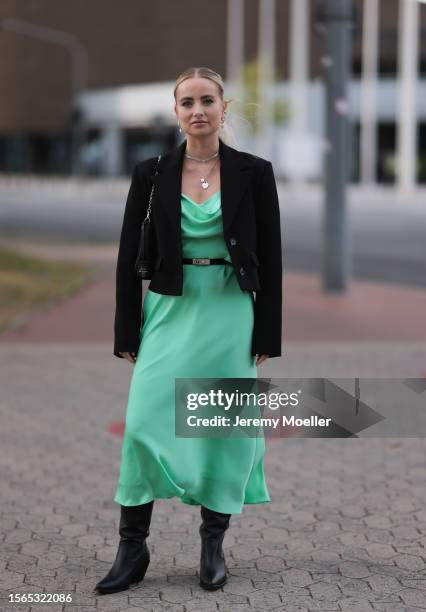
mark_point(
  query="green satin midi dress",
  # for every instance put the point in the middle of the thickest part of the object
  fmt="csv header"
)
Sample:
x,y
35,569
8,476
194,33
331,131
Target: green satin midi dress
x,y
204,333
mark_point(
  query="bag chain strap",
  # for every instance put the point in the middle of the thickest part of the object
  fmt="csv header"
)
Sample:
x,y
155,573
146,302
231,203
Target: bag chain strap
x,y
148,213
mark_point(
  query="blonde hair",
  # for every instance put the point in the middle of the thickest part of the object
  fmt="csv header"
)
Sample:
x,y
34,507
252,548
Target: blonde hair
x,y
226,133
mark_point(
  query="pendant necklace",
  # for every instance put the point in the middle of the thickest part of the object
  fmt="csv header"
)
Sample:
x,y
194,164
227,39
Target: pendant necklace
x,y
203,180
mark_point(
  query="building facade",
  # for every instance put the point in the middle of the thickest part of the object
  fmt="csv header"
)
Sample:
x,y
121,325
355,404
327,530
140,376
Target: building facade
x,y
140,43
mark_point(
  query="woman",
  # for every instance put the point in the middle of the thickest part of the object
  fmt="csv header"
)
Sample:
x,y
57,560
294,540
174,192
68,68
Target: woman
x,y
199,319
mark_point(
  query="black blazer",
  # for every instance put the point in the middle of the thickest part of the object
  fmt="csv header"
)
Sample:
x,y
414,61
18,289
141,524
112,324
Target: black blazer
x,y
251,228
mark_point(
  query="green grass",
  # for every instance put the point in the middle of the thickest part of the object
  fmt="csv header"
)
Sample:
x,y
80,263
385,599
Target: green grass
x,y
29,284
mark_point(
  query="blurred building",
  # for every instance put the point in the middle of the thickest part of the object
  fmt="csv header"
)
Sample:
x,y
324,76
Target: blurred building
x,y
134,52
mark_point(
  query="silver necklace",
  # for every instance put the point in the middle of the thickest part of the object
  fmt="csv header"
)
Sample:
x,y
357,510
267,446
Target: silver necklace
x,y
203,180
202,160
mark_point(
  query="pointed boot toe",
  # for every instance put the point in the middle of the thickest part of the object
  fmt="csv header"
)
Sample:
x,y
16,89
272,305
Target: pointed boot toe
x,y
129,567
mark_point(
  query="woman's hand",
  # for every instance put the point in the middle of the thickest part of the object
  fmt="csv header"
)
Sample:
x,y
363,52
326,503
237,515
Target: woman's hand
x,y
261,358
129,356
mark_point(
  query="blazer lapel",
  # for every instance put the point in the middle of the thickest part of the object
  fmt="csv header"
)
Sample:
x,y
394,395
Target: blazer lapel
x,y
235,173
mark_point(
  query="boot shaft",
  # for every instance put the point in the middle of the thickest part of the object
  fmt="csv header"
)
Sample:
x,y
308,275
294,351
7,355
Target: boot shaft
x,y
135,521
214,524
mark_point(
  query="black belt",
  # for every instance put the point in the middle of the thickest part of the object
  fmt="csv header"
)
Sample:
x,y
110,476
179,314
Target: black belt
x,y
204,261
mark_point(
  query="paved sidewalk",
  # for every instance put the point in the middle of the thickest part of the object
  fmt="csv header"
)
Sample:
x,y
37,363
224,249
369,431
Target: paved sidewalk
x,y
346,528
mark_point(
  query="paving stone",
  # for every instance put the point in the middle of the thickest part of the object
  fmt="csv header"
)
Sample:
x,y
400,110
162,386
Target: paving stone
x,y
35,548
18,536
11,580
354,570
270,564
274,534
353,511
415,583
269,600
299,549
405,532
296,577
225,598
112,603
355,605
381,536
354,539
413,597
143,596
378,520
324,590
325,557
410,562
244,552
380,551
176,594
51,560
384,584
239,586
91,542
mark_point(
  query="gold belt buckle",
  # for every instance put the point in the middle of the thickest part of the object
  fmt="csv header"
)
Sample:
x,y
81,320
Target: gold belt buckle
x,y
201,261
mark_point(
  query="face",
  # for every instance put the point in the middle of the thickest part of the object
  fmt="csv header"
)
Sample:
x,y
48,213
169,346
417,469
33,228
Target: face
x,y
198,100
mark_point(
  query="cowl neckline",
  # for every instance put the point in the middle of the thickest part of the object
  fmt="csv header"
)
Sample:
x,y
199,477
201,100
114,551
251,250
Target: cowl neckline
x,y
202,203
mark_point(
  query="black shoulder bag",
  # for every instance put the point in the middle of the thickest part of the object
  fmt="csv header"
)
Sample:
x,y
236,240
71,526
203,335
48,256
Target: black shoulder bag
x,y
144,264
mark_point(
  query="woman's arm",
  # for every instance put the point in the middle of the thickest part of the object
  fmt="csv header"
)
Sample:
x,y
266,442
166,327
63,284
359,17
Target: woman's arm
x,y
128,285
268,303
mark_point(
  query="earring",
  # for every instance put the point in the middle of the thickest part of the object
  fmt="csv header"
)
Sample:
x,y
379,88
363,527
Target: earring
x,y
180,129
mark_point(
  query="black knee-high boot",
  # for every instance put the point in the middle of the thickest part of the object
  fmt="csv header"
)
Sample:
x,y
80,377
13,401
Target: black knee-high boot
x,y
212,562
132,557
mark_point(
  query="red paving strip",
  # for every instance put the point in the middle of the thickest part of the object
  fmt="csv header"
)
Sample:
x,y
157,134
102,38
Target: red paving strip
x,y
86,317
368,312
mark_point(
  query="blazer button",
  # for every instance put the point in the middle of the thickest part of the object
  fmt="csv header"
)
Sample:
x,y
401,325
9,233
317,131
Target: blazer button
x,y
242,271
233,241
